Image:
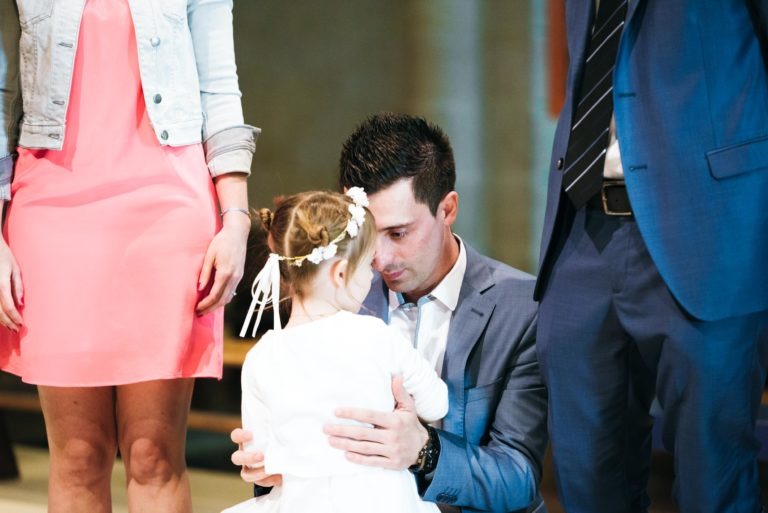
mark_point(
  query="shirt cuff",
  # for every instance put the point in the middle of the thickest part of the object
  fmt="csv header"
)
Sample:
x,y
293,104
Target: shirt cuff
x,y
231,150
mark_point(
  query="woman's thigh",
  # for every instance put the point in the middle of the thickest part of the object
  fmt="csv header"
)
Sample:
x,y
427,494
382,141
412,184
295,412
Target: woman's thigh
x,y
152,419
80,425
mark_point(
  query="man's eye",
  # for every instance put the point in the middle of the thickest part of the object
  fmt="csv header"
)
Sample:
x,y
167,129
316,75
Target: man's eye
x,y
397,234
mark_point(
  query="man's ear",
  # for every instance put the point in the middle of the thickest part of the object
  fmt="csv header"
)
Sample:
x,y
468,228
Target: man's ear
x,y
338,270
449,208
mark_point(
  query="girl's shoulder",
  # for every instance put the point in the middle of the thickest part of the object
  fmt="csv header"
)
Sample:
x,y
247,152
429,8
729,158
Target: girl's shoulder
x,y
374,331
363,322
265,341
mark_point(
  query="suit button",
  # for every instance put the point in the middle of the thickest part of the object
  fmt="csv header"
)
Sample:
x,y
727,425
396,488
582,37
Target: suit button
x,y
560,164
155,41
164,135
157,98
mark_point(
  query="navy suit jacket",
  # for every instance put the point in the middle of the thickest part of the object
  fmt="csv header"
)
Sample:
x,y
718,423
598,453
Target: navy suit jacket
x,y
691,108
494,436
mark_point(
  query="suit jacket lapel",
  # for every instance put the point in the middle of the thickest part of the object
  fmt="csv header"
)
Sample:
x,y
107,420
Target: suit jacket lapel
x,y
632,8
377,301
467,325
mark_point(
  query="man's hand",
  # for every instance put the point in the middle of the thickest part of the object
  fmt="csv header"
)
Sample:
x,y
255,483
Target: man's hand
x,y
251,463
395,440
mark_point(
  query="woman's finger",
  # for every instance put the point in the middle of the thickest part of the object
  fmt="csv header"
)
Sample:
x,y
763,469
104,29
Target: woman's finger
x,y
9,307
205,272
17,285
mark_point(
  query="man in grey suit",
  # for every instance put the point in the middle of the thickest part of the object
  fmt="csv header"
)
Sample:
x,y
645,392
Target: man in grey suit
x,y
472,317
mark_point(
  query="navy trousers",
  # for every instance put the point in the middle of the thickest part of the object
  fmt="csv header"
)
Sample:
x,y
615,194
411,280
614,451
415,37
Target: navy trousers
x,y
610,337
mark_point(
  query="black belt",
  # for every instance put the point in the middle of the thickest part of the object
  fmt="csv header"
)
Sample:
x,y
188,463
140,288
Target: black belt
x,y
612,199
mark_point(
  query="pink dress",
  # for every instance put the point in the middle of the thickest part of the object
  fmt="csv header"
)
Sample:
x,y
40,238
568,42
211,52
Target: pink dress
x,y
110,234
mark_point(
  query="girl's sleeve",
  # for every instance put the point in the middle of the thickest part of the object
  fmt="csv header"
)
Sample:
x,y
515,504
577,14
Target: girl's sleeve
x,y
10,93
419,379
254,411
229,143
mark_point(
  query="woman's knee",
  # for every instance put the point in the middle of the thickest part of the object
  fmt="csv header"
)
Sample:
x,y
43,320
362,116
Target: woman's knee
x,y
82,462
152,461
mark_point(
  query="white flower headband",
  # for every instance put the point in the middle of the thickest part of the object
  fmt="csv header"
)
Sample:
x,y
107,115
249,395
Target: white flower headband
x,y
266,287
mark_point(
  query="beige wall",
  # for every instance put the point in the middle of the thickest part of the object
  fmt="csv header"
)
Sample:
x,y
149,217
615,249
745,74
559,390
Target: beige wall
x,y
310,71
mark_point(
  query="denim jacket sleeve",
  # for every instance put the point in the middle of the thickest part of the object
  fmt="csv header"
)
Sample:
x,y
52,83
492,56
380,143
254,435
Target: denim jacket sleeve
x,y
229,143
10,93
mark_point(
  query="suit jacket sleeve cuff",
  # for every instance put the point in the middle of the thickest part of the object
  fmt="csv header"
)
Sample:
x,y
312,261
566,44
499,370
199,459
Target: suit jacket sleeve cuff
x,y
483,477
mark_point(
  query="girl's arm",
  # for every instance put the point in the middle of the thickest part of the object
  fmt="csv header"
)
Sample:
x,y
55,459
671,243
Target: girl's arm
x,y
420,380
254,412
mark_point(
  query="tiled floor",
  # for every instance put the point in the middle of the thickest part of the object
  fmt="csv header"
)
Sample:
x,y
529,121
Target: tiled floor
x,y
211,491
214,490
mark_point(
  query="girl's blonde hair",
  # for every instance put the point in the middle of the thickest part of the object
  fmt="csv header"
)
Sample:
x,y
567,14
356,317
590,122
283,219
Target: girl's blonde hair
x,y
309,220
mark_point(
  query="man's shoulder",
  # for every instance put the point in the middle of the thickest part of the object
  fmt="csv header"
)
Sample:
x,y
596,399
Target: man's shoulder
x,y
501,278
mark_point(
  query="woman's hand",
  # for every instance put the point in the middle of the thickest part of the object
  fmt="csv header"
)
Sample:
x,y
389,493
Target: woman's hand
x,y
224,262
225,257
11,289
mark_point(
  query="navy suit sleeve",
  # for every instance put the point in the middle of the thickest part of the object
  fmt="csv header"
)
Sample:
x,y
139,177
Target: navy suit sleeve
x,y
503,470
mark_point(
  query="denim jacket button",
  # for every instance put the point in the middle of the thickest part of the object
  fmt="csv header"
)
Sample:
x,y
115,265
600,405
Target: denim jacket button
x,y
157,98
155,41
164,135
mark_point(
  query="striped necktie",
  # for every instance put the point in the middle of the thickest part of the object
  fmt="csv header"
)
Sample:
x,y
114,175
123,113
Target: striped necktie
x,y
590,127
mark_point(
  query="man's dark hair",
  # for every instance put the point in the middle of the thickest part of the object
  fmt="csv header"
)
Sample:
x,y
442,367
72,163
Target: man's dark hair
x,y
388,147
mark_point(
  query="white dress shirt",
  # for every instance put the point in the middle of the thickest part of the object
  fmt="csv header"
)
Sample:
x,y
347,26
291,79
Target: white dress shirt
x,y
426,323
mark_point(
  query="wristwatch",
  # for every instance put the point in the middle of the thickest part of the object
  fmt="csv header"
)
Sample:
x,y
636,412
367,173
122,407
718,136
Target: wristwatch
x,y
426,462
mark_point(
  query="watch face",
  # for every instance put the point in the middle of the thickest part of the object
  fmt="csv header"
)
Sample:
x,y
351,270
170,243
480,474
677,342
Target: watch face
x,y
430,452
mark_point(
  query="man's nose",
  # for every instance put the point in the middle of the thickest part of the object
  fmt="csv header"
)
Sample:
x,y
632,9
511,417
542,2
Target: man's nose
x,y
381,258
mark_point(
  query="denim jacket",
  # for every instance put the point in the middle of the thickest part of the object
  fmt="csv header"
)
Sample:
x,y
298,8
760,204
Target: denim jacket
x,y
187,65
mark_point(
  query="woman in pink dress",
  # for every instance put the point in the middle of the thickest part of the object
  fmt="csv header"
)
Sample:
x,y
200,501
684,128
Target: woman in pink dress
x,y
125,229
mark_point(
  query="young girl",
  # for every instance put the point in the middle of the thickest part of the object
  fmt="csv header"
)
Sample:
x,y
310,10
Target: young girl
x,y
326,357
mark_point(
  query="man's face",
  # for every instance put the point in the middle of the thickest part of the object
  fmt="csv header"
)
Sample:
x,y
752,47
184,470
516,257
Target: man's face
x,y
358,284
410,242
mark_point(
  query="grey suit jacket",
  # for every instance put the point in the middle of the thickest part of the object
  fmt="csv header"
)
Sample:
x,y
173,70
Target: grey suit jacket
x,y
495,434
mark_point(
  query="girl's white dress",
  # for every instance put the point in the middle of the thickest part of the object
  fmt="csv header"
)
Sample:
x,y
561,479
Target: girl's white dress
x,y
292,382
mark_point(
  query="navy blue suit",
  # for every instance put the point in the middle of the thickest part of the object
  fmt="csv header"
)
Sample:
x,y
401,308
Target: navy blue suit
x,y
672,300
494,436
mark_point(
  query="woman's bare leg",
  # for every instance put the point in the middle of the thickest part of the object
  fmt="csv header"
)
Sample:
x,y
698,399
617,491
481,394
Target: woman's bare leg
x,y
80,425
152,427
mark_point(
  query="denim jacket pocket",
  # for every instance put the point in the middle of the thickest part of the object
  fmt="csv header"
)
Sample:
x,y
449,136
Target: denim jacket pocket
x,y
33,11
174,10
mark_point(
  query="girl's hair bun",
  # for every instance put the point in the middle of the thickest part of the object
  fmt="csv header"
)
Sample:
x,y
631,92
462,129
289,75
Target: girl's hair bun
x,y
266,216
318,235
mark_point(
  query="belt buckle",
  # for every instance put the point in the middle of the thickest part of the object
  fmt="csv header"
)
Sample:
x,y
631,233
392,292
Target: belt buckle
x,y
607,209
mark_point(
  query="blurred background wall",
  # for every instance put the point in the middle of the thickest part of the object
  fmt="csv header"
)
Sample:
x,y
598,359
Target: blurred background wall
x,y
310,71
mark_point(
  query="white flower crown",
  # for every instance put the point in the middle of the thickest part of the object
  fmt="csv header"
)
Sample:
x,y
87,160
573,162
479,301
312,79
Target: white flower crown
x,y
266,286
356,220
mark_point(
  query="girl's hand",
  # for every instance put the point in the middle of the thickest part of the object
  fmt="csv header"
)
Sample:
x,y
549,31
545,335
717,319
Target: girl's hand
x,y
11,289
252,463
224,261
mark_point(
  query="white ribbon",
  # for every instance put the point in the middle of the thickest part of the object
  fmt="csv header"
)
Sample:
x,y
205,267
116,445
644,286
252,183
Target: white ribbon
x,y
264,291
